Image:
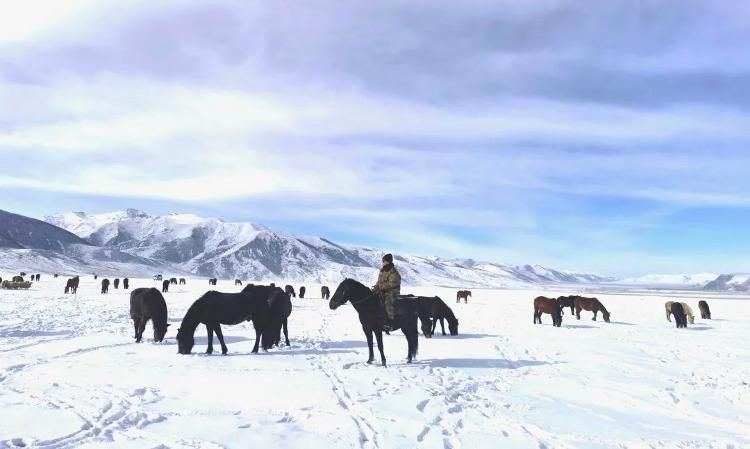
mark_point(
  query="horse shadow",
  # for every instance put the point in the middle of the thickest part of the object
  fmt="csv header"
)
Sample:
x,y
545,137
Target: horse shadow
x,y
438,335
482,363
580,326
203,341
622,323
344,344
699,328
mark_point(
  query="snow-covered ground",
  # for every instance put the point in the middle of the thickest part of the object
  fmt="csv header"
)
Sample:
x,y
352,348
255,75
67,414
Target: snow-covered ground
x,y
71,376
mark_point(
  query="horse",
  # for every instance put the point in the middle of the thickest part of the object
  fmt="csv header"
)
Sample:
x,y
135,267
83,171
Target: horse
x,y
56,275
17,279
592,305
279,309
542,305
214,309
237,282
148,304
165,286
126,283
688,313
705,311
325,293
38,276
173,281
96,277
290,291
302,291
183,281
433,309
116,283
463,294
567,301
71,286
212,281
679,315
105,286
371,312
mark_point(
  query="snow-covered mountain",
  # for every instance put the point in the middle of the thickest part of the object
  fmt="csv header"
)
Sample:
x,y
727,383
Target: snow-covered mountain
x,y
698,280
212,247
739,282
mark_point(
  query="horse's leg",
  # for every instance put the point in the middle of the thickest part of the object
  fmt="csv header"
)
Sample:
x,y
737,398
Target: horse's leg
x,y
220,334
578,313
258,334
595,315
286,331
368,335
141,328
442,325
409,343
135,330
379,337
210,331
434,325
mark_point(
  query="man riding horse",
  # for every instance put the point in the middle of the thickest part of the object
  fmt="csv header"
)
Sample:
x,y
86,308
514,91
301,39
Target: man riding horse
x,y
388,288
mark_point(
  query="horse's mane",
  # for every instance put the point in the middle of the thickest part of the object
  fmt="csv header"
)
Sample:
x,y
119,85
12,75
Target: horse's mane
x,y
447,312
355,284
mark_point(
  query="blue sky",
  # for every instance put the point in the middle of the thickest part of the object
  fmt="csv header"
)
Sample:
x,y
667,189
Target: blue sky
x,y
600,136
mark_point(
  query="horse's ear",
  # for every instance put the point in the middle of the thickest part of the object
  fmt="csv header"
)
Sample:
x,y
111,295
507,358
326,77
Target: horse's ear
x,y
169,325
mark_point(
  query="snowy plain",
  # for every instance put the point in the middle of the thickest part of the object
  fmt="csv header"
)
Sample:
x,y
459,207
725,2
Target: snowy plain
x,y
72,376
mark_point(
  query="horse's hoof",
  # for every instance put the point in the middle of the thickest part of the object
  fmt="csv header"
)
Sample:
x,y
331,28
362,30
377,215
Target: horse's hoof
x,y
369,362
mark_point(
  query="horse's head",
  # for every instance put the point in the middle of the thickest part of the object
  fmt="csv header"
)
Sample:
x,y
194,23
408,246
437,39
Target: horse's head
x,y
605,314
185,342
160,331
453,328
348,290
427,328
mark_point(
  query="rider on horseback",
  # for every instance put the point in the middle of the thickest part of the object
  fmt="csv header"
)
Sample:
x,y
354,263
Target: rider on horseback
x,y
388,288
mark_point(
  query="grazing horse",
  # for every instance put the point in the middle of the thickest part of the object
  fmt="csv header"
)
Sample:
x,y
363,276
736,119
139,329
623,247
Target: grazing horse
x,y
290,291
183,281
38,276
126,283
148,304
463,294
302,291
173,281
116,283
237,282
212,281
71,286
214,309
567,301
371,312
17,279
542,305
165,286
105,286
279,309
592,305
679,314
432,310
688,313
705,311
325,293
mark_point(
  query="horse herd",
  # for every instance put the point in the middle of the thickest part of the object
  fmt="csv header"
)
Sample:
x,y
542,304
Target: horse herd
x,y
554,306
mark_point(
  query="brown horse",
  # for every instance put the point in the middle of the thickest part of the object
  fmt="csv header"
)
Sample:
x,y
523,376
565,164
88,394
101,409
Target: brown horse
x,y
705,310
592,305
463,294
547,305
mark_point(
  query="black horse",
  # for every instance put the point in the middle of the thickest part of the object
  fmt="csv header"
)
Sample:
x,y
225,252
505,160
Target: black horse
x,y
116,283
165,286
214,309
212,281
432,310
173,281
237,282
71,286
148,304
105,285
183,281
325,292
705,310
290,291
279,309
372,316
126,283
567,301
678,313
302,291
